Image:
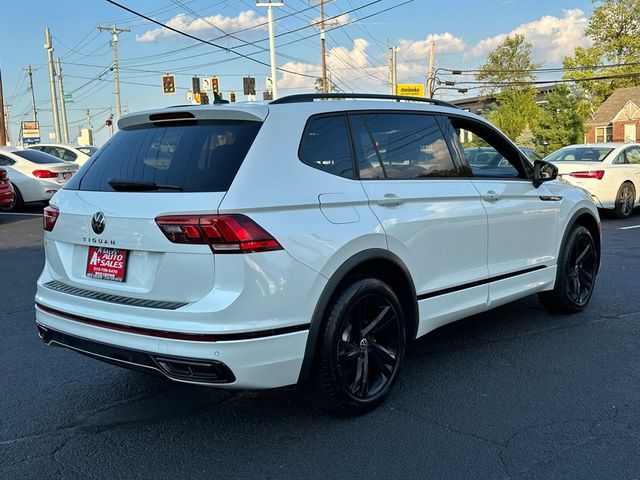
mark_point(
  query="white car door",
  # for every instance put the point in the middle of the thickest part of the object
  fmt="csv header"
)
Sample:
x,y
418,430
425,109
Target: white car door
x,y
626,167
434,220
522,219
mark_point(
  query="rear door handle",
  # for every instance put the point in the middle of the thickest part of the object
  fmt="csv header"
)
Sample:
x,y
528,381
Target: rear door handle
x,y
491,196
390,200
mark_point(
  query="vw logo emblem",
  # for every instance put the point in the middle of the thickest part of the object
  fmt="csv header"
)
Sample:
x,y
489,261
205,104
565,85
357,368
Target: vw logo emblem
x,y
98,222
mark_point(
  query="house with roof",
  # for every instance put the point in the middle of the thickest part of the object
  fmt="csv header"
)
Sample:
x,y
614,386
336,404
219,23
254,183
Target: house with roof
x,y
617,119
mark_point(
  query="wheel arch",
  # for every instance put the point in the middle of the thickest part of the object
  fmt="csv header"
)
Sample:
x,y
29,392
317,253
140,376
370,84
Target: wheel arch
x,y
586,218
374,262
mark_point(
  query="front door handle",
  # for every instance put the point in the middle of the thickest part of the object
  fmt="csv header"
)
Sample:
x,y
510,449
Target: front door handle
x,y
491,196
390,200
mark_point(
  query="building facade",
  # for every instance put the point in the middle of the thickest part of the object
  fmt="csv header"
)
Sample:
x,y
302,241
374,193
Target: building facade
x,y
617,119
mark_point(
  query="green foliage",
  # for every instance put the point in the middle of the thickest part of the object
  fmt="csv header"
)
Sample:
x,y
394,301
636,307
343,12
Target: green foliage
x,y
526,138
509,62
561,122
614,28
514,111
333,88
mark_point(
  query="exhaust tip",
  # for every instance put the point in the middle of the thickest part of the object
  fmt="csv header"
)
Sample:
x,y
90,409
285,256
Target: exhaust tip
x,y
206,372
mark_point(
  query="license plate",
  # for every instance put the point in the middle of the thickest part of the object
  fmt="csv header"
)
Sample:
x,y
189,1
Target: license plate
x,y
107,263
67,175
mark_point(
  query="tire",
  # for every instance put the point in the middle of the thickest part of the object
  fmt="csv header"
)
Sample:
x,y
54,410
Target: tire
x,y
576,275
625,201
17,204
360,348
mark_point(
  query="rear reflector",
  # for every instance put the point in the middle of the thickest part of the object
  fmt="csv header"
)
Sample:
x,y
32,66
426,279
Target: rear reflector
x,y
45,174
49,217
232,233
598,174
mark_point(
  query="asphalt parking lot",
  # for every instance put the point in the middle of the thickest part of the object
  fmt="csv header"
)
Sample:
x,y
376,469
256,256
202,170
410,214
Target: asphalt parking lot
x,y
512,393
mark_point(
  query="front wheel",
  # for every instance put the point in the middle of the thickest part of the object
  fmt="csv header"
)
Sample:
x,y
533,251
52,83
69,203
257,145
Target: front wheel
x,y
625,201
576,275
361,348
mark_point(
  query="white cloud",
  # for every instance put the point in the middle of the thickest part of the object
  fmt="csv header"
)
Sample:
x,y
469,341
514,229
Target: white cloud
x,y
203,26
351,69
552,38
418,50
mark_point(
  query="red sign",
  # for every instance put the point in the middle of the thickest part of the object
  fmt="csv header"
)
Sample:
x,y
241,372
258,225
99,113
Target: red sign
x,y
107,263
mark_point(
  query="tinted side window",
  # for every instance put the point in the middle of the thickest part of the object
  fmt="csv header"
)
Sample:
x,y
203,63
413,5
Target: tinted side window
x,y
487,153
5,161
400,146
325,145
633,156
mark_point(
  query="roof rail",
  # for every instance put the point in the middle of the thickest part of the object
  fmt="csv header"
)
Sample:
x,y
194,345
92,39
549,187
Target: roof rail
x,y
310,97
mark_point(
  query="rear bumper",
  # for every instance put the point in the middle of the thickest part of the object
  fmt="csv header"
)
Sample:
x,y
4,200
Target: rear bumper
x,y
254,363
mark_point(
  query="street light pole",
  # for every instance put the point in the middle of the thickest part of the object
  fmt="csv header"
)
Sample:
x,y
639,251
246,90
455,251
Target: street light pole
x,y
272,43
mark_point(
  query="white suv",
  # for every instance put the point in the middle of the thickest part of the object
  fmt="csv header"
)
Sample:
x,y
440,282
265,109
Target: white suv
x,y
254,246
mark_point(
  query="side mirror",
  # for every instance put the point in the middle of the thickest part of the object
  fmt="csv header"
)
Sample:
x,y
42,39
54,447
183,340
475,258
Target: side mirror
x,y
543,172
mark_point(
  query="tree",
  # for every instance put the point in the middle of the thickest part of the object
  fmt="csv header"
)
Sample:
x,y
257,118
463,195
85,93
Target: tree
x,y
526,138
508,70
561,122
510,63
614,28
514,111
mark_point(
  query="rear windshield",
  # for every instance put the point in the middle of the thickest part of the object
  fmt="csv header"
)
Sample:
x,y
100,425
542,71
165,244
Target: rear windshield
x,y
591,154
199,157
36,156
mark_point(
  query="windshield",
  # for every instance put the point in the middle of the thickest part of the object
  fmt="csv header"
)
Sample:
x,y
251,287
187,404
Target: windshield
x,y
36,156
198,157
579,154
88,150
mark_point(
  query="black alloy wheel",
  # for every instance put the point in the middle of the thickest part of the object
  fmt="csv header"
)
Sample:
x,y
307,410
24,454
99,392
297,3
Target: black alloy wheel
x,y
361,349
576,275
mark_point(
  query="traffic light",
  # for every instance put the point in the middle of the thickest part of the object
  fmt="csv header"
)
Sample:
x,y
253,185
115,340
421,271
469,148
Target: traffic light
x,y
267,96
168,84
215,86
204,98
195,83
249,84
232,97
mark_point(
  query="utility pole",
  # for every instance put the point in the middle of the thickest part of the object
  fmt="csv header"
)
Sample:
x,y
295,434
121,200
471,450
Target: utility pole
x,y
7,123
116,75
432,63
323,49
63,107
393,72
33,95
52,83
3,131
272,43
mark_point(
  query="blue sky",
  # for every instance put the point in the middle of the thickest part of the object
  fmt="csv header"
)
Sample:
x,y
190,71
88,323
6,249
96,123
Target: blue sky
x,y
464,31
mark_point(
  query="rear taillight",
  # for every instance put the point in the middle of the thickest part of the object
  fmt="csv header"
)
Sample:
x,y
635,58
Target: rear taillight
x,y
4,178
45,174
232,233
598,174
49,217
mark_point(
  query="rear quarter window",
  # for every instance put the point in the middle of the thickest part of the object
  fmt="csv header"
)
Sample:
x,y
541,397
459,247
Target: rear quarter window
x,y
38,157
325,145
198,157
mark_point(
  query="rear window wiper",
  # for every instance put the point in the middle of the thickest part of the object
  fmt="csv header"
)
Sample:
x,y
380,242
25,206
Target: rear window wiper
x,y
129,186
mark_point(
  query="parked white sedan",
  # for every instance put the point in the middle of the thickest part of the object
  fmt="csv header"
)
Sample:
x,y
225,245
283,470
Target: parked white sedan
x,y
35,176
609,171
69,153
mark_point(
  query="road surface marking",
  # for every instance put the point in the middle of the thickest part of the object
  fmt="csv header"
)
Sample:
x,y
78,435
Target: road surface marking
x,y
629,228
